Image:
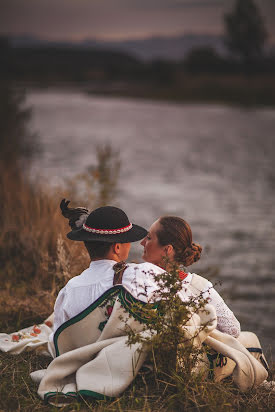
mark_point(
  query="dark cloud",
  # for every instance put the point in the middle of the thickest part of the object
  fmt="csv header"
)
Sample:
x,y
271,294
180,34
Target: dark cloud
x,y
176,4
77,19
195,3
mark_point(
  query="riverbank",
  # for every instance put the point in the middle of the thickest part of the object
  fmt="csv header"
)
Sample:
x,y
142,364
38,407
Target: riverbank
x,y
253,91
234,90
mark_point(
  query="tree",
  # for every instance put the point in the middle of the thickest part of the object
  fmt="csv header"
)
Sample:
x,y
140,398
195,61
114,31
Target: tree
x,y
17,142
204,59
245,31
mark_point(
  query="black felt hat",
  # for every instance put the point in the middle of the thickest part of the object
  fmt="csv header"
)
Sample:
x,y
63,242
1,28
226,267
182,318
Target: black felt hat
x,y
108,224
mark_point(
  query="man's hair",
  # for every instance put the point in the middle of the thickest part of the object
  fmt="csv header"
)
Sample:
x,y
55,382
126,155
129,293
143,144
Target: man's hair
x,y
98,249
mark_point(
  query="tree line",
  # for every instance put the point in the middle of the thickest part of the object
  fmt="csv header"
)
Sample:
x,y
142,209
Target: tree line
x,y
245,38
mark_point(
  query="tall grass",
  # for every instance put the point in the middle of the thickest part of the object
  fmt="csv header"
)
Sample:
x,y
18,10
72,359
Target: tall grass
x,y
36,257
33,248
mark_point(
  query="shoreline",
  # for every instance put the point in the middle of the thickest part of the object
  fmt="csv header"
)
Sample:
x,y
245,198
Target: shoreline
x,y
244,91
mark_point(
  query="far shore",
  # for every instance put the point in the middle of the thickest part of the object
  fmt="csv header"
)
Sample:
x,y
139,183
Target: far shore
x,y
239,90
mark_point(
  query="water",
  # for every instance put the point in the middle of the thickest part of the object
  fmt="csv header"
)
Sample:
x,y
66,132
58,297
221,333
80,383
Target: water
x,y
212,165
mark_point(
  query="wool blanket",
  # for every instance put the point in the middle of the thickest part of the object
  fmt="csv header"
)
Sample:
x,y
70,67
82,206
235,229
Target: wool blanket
x,y
92,357
92,354
33,338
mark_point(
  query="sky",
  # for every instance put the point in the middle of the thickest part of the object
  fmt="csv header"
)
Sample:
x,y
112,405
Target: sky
x,y
75,20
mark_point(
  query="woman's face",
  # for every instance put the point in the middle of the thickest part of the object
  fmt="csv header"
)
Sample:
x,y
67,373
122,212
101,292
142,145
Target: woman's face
x,y
153,252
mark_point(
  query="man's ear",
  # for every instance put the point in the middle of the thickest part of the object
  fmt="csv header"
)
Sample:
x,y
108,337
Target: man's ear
x,y
116,248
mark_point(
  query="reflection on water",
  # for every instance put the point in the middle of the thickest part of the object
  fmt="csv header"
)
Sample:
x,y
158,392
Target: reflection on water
x,y
212,165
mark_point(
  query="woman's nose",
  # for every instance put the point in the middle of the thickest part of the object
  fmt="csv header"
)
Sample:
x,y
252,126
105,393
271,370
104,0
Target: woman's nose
x,y
142,242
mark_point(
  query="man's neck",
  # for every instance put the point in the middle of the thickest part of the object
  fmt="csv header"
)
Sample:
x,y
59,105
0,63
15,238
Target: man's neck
x,y
107,257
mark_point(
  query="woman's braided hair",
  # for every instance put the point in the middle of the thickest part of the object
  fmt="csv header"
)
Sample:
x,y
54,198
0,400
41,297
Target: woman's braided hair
x,y
177,232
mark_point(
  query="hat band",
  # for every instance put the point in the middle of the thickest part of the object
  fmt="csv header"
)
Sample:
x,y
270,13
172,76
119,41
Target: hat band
x,y
107,231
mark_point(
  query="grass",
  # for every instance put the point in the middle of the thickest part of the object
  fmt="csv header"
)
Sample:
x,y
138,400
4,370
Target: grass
x,y
35,254
37,259
18,392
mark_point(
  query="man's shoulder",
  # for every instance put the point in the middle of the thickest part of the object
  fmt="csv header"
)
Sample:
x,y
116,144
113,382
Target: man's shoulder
x,y
77,280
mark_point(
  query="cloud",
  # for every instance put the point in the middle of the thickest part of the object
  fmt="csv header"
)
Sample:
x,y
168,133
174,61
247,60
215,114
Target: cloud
x,y
75,19
99,18
173,4
194,3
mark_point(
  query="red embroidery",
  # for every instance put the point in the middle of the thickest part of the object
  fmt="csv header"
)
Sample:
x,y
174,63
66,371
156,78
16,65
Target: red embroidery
x,y
182,275
36,329
109,310
15,338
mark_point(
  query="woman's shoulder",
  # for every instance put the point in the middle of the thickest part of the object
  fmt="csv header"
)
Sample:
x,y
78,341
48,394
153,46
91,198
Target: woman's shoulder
x,y
144,273
144,268
139,279
199,282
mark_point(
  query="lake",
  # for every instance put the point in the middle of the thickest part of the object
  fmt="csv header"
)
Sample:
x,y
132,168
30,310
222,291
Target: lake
x,y
213,165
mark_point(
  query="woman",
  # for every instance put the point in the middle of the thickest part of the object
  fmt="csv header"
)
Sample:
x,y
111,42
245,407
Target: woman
x,y
170,240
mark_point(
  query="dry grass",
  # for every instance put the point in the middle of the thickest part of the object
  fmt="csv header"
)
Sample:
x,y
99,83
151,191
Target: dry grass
x,y
18,393
36,257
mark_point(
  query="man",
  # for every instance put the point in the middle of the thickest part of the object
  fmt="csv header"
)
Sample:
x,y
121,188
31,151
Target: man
x,y
107,235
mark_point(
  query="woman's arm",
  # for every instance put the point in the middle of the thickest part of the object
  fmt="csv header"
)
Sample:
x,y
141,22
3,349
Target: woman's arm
x,y
227,322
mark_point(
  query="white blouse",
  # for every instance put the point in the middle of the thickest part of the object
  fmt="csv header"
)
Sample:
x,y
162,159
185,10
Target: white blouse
x,y
81,291
226,320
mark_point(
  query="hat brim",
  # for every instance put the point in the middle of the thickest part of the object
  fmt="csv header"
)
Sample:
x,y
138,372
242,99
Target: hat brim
x,y
133,235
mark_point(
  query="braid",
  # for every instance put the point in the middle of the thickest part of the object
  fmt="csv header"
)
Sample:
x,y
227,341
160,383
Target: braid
x,y
190,255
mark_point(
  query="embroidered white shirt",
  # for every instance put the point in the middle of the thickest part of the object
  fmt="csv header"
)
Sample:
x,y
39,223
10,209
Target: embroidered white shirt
x,y
81,291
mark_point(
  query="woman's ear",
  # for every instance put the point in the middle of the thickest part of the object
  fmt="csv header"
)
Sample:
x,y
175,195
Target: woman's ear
x,y
169,251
